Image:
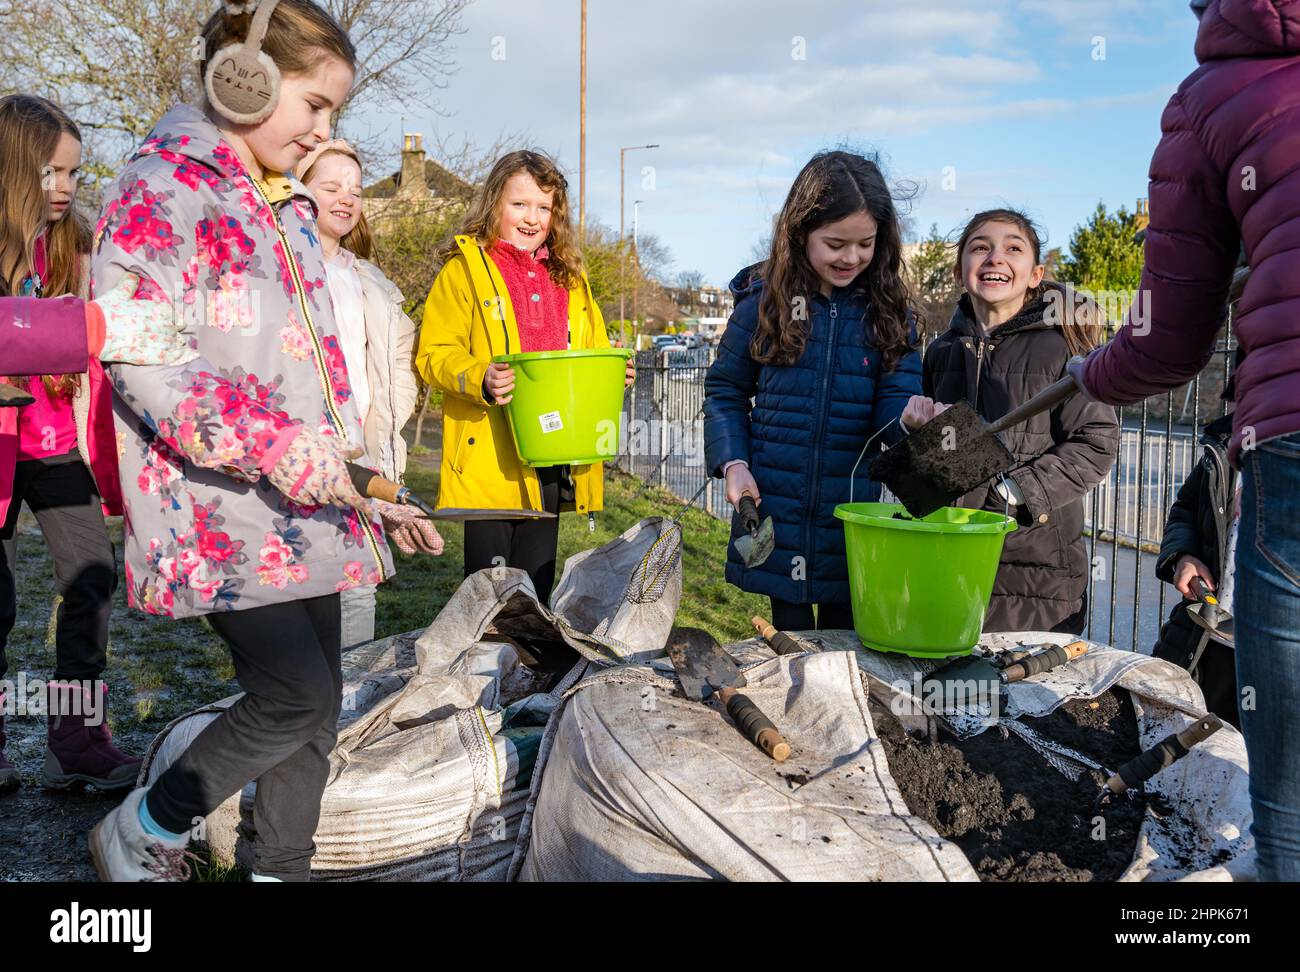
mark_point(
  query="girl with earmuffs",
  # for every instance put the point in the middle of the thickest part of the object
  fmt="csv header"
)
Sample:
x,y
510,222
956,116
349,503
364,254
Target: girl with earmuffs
x,y
239,504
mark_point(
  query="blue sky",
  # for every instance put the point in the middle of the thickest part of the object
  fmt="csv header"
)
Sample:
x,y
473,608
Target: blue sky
x,y
1007,93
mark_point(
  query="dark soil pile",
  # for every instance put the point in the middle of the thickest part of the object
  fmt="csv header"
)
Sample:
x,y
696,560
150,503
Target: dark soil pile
x,y
1015,817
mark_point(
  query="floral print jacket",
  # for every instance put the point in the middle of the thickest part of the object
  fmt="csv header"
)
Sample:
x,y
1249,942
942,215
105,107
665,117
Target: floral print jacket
x,y
240,266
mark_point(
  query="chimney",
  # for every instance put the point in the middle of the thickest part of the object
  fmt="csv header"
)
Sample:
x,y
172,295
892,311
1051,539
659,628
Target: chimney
x,y
1143,214
411,182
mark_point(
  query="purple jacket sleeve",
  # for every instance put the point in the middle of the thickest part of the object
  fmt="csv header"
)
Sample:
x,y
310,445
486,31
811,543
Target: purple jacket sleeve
x,y
43,336
1191,248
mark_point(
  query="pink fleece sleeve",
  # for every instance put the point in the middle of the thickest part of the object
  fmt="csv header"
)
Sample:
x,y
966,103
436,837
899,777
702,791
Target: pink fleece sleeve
x,y
43,336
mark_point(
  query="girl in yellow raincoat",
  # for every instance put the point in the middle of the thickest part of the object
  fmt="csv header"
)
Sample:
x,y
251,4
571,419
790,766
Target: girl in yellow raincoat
x,y
512,281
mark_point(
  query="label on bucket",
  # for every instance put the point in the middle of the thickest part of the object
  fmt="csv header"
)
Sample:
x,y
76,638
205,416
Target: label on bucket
x,y
551,422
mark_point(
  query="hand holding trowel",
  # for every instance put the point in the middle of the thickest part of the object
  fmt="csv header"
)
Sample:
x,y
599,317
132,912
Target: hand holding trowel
x,y
703,667
1208,615
760,540
956,451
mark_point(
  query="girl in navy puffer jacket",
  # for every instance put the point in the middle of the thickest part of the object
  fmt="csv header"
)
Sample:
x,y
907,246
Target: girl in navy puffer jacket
x,y
817,358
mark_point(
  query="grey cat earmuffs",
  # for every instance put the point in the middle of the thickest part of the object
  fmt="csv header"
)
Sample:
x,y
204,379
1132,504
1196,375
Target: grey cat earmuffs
x,y
242,82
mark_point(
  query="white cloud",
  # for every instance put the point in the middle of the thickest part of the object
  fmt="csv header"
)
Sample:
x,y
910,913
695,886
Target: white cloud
x,y
715,84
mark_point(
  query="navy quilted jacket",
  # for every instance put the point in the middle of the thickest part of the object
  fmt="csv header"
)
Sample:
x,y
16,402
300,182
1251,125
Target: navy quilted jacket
x,y
801,428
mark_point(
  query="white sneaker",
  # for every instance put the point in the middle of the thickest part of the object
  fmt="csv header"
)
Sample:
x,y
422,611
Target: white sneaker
x,y
122,851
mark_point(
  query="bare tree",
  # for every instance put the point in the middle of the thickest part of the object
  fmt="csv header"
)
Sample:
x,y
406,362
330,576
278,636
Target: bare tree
x,y
117,65
690,281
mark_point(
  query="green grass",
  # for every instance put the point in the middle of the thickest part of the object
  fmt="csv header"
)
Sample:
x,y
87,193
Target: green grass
x,y
423,584
160,669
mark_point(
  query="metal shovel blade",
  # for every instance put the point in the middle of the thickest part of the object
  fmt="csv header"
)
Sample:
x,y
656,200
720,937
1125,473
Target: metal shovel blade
x,y
942,460
756,547
1213,620
702,665
967,683
464,514
13,397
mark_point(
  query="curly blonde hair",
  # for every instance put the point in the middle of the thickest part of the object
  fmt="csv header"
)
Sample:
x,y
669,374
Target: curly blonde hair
x,y
482,223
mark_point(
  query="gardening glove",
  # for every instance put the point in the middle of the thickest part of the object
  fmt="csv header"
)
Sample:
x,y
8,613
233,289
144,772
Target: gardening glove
x,y
120,328
410,530
311,469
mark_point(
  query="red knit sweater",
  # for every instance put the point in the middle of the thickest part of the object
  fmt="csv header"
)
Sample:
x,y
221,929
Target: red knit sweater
x,y
541,306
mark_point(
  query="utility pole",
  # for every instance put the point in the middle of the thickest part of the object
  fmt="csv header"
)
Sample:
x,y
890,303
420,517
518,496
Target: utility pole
x,y
582,134
636,264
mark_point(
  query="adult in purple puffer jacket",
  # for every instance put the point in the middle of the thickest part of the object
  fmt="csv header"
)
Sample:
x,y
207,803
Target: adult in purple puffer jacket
x,y
1227,173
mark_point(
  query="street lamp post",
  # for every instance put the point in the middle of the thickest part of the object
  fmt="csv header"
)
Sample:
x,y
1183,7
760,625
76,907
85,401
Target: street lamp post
x,y
636,262
622,257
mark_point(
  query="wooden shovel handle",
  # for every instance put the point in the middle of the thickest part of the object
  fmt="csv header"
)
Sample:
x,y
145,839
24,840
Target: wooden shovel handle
x,y
748,513
1169,750
753,725
781,642
1049,397
1044,661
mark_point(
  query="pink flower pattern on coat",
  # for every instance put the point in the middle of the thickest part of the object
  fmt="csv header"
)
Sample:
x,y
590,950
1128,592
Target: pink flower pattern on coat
x,y
276,563
186,218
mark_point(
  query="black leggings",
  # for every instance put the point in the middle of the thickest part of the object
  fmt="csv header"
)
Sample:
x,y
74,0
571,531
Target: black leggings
x,y
799,617
279,733
527,544
61,494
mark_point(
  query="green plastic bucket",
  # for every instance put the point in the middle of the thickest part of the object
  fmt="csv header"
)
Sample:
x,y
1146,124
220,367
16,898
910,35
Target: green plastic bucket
x,y
921,587
566,404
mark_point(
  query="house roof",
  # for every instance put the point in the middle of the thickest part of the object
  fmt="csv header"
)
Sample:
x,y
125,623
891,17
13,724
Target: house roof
x,y
439,180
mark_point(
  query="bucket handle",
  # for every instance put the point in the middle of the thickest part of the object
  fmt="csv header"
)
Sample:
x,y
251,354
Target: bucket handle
x,y
867,446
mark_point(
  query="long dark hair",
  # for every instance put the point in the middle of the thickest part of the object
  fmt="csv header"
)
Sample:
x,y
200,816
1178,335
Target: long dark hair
x,y
1082,320
831,187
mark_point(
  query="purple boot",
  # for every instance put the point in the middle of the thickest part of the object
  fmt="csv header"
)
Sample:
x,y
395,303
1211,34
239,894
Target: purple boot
x,y
8,772
79,752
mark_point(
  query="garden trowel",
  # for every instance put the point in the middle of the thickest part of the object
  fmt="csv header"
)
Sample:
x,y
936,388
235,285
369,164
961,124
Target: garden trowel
x,y
974,681
1131,777
956,451
370,483
1215,623
760,540
703,667
13,397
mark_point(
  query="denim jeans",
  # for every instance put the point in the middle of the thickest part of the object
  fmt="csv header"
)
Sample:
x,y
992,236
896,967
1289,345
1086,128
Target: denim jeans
x,y
1266,613
358,607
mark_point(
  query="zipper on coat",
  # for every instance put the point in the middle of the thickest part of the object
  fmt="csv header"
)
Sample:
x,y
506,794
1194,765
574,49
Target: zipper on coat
x,y
487,268
396,435
327,386
810,514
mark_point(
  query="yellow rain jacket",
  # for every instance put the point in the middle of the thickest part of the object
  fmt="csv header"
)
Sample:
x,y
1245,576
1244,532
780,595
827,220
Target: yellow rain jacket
x,y
462,331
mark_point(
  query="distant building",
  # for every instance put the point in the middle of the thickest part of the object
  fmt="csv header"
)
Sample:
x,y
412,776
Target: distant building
x,y
420,186
706,302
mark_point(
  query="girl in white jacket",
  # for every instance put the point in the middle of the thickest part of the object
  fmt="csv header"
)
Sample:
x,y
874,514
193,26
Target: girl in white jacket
x,y
378,340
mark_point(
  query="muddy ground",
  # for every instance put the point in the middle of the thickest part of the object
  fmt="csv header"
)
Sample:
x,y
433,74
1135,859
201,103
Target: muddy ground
x,y
1015,817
